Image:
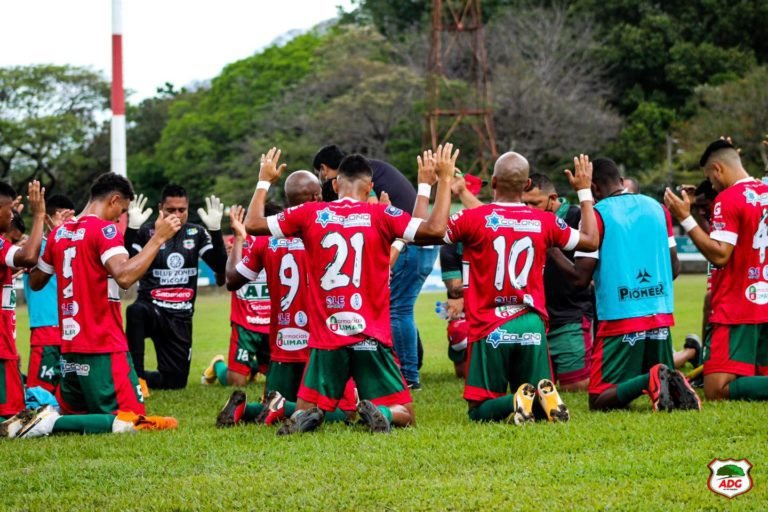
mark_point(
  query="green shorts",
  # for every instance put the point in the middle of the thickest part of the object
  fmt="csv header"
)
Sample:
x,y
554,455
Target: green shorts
x,y
513,354
248,351
570,347
44,367
736,349
617,359
99,384
285,378
369,363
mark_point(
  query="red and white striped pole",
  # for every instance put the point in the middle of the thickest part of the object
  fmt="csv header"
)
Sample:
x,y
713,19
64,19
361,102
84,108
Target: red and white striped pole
x,y
118,153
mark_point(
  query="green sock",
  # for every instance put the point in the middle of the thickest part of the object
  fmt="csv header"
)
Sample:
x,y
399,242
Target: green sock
x,y
290,408
632,388
2,419
220,368
252,410
85,424
495,409
749,388
386,411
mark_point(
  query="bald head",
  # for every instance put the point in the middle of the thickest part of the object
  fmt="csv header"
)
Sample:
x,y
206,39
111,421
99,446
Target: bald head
x,y
301,187
510,173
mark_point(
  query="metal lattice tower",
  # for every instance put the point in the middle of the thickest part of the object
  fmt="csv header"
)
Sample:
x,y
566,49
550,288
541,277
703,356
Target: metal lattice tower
x,y
458,94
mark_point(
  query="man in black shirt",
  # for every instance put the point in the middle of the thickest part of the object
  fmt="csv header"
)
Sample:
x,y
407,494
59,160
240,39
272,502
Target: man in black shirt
x,y
166,296
570,310
413,266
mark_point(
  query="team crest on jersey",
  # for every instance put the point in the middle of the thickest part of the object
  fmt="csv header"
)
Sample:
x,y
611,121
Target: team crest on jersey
x,y
326,216
496,222
175,261
393,211
189,244
300,318
503,337
109,232
191,231
754,198
561,223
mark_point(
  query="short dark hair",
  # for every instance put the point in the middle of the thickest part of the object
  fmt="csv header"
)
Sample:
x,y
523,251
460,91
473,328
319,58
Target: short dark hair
x,y
542,182
110,183
605,171
355,167
171,190
713,148
706,188
330,156
271,208
6,190
58,202
18,223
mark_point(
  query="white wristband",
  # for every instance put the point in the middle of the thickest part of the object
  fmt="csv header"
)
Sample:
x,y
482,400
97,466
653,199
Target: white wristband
x,y
585,195
425,189
263,185
688,223
398,245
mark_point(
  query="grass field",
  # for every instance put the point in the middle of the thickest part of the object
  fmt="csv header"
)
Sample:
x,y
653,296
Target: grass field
x,y
631,460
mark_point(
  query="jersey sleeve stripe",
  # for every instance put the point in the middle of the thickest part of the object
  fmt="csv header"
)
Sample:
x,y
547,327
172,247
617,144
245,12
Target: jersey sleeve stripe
x,y
729,237
45,267
246,272
114,251
12,250
274,227
204,249
136,247
410,230
671,241
573,240
595,255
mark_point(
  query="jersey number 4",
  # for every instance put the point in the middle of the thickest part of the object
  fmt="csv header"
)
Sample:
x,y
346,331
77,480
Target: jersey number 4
x,y
522,248
760,240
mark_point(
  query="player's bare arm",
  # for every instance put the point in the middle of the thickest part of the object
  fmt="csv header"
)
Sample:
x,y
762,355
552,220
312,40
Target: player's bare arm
x,y
427,177
269,174
459,189
235,280
581,181
27,256
716,252
433,229
127,271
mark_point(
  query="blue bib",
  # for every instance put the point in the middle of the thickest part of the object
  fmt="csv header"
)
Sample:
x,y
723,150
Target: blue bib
x,y
633,277
43,304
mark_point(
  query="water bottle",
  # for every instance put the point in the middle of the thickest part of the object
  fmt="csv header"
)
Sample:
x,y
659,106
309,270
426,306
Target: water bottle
x,y
441,308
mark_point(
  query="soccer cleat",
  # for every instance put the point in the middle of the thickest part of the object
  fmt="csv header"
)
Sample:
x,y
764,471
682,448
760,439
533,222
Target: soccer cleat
x,y
233,410
144,387
522,401
372,417
273,409
301,421
693,341
10,427
141,422
40,424
550,401
209,374
683,395
658,388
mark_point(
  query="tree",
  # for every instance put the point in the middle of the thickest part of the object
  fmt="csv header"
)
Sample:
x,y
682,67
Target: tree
x,y
47,113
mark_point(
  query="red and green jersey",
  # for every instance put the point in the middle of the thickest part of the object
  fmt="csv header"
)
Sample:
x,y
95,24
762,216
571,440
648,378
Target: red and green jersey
x,y
250,307
347,244
8,313
740,288
284,262
90,318
505,249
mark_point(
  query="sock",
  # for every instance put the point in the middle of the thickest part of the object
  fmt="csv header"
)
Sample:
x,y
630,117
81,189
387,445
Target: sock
x,y
3,418
252,410
384,410
85,424
749,388
338,416
290,408
495,409
632,388
220,368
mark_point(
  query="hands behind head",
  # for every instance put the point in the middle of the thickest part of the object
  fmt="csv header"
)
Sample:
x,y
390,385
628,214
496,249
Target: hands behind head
x,y
581,178
269,170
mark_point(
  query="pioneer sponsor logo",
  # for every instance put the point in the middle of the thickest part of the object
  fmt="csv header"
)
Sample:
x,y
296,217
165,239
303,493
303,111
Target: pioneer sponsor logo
x,y
292,339
644,290
345,323
173,294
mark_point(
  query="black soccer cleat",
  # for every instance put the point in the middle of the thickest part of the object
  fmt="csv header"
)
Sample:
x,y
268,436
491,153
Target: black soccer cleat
x,y
233,410
372,417
302,421
658,389
682,392
693,341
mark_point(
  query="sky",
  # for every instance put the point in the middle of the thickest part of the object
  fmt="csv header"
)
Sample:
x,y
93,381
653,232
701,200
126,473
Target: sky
x,y
163,40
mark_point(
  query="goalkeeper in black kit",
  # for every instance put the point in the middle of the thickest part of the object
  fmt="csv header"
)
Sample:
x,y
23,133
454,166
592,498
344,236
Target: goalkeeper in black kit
x,y
166,295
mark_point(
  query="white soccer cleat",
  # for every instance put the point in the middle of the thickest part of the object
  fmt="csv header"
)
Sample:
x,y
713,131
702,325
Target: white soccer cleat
x,y
10,428
41,423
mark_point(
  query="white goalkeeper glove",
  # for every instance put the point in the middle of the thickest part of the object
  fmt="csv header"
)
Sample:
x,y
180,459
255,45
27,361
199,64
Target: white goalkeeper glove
x,y
212,217
137,215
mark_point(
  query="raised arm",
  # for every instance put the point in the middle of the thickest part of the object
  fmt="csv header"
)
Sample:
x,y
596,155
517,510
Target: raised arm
x,y
427,177
433,229
127,271
269,174
235,280
27,256
581,181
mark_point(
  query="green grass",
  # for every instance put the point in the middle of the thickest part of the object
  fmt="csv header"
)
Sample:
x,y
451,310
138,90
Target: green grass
x,y
620,460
